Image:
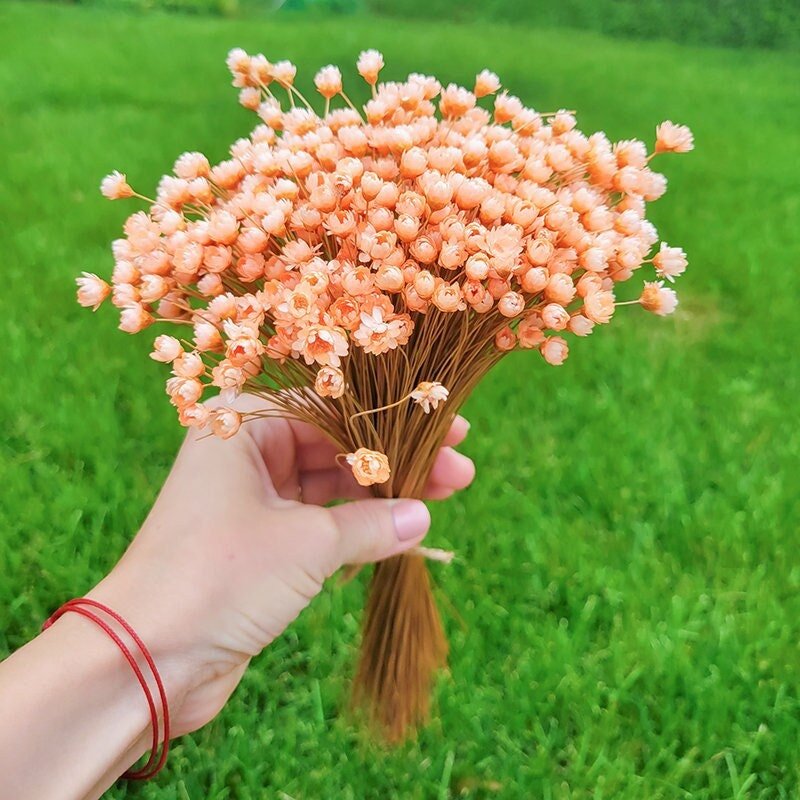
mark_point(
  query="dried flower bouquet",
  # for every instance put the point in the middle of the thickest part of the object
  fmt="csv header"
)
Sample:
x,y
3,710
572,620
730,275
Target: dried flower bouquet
x,y
363,269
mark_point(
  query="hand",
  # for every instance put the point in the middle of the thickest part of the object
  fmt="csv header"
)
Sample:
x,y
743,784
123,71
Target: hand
x,y
230,554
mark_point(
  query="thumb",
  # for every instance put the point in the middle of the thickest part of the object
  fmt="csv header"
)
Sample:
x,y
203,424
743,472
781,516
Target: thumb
x,y
371,530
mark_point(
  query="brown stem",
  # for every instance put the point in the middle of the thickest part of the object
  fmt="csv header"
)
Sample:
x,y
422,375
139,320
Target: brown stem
x,y
402,649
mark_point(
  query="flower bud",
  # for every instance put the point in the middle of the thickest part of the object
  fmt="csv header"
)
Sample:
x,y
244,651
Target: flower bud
x,y
554,350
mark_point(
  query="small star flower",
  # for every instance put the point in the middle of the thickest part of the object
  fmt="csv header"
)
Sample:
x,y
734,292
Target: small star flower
x,y
429,394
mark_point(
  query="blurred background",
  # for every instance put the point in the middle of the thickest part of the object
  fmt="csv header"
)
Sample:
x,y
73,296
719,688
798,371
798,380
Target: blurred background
x,y
623,613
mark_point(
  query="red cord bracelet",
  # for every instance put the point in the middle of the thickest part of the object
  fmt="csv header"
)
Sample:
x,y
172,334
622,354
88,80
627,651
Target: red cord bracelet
x,y
155,762
70,606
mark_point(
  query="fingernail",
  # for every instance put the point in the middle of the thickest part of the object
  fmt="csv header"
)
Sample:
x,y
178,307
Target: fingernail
x,y
411,519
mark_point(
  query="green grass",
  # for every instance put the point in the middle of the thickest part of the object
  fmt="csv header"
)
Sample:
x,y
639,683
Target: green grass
x,y
624,615
735,23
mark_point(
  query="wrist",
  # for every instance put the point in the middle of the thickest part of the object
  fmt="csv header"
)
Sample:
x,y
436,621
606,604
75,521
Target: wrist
x,y
87,652
81,709
159,628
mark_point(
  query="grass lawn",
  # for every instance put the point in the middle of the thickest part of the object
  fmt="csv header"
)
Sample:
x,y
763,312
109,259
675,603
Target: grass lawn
x,y
625,613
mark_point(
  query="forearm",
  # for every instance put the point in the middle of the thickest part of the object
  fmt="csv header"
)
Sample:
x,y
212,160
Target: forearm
x,y
73,716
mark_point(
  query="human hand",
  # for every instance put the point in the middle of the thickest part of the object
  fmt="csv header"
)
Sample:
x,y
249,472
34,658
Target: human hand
x,y
230,554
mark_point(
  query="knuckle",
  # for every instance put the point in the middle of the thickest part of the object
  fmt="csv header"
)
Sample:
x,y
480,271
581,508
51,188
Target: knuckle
x,y
323,523
313,540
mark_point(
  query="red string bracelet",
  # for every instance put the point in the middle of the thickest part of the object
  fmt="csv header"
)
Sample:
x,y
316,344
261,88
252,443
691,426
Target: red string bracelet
x,y
159,684
155,762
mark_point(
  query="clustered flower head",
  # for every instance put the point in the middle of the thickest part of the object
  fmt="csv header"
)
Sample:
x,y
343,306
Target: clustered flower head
x,y
328,238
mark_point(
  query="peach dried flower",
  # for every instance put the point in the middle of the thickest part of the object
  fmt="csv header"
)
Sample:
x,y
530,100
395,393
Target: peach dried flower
x,y
194,416
447,297
505,339
329,382
328,81
229,378
191,165
486,83
166,349
250,98
511,304
657,298
672,138
284,72
369,466
323,345
135,318
429,394
530,333
91,290
370,63
555,316
580,325
669,262
599,306
188,365
225,422
184,391
554,350
115,186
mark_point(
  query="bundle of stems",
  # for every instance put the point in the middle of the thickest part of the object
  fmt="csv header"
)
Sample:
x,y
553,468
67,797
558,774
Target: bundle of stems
x,y
403,643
